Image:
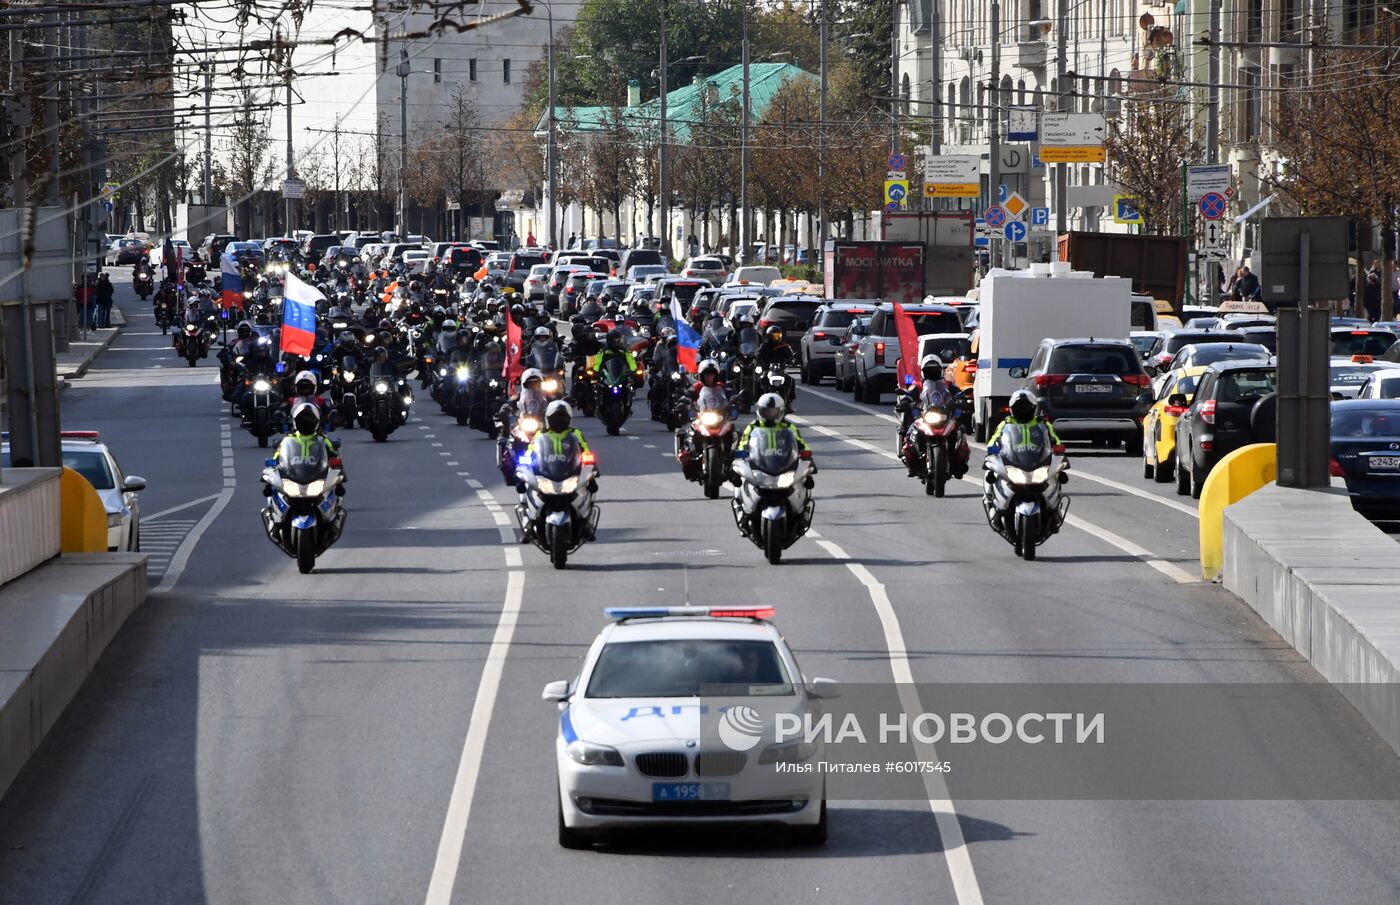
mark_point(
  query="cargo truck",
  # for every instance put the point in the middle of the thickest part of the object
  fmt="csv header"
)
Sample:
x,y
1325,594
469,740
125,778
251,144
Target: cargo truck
x,y
890,271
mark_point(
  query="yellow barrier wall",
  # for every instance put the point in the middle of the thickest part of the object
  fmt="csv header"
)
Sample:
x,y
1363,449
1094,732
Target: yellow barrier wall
x,y
1235,477
84,520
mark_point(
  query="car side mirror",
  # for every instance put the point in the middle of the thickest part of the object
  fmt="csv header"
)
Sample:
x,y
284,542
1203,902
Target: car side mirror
x,y
834,341
133,484
1018,372
823,688
1336,397
1151,370
1144,399
557,691
1178,400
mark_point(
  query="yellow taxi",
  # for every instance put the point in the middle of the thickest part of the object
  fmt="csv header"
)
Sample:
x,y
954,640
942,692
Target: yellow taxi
x,y
1159,425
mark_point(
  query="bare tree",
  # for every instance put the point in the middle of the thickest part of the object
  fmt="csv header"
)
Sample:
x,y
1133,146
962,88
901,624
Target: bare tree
x,y
250,168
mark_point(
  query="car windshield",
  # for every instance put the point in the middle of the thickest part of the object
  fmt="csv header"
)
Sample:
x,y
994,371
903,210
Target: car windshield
x,y
1144,344
1362,342
1359,423
1177,340
1226,351
926,322
688,668
91,465
1093,360
1238,386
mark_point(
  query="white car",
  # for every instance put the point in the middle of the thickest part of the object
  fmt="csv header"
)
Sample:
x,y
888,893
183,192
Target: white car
x,y
1347,374
85,453
633,749
535,282
416,261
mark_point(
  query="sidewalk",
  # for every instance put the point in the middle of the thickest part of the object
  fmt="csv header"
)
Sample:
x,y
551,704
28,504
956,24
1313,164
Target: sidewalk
x,y
82,353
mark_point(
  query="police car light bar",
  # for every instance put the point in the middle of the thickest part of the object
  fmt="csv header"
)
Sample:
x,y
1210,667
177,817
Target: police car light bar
x,y
621,613
80,435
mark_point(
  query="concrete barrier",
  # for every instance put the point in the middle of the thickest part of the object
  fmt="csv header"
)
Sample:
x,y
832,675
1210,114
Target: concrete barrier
x,y
1328,581
29,519
54,624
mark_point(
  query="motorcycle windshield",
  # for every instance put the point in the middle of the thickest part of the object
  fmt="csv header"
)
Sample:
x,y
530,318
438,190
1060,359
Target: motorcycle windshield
x,y
545,357
303,459
712,399
772,450
557,456
748,342
614,371
1026,447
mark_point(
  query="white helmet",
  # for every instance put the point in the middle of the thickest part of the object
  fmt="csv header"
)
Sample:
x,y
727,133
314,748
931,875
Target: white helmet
x,y
770,408
931,361
708,364
531,374
304,377
559,415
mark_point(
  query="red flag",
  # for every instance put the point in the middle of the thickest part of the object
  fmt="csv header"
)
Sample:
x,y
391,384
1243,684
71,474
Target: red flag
x,y
513,369
909,373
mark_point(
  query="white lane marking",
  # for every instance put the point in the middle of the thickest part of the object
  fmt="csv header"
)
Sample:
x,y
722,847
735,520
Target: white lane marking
x,y
632,437
454,827
473,483
966,889
1172,571
513,560
435,445
146,519
186,548
1107,482
649,445
451,464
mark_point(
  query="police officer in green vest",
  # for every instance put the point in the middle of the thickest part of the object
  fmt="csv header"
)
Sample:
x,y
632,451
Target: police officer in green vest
x,y
771,411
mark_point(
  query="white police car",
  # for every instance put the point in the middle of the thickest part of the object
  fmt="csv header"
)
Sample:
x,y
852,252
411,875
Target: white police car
x,y
670,722
85,453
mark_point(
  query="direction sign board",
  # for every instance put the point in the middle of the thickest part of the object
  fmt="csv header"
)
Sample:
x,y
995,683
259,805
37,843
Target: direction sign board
x,y
995,217
1213,205
1072,137
1016,205
1125,209
1015,231
1203,180
952,176
1021,124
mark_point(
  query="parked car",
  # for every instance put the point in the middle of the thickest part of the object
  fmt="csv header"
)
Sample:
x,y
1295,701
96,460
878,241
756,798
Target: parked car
x,y
1210,353
794,314
213,246
463,259
1361,341
706,266
85,453
313,248
1217,419
415,260
535,282
1381,385
1166,348
1366,454
633,257
878,352
755,273
124,251
644,272
520,264
575,288
555,285
1090,389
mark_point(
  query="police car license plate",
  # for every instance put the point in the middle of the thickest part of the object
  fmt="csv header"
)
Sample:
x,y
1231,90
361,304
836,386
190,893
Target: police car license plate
x,y
690,791
1385,463
1093,388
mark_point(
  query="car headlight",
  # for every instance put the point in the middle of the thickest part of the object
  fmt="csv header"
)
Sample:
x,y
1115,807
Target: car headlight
x,y
787,752
114,519
933,417
787,478
261,386
711,419
550,386
529,425
590,754
381,387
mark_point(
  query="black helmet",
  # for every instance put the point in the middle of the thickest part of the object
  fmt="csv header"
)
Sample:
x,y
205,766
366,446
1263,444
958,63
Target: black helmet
x,y
558,416
464,337
380,353
346,339
245,330
672,341
415,286
615,339
1023,405
306,417
774,333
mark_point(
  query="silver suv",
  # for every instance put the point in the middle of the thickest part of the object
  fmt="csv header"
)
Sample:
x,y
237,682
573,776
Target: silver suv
x,y
830,326
878,352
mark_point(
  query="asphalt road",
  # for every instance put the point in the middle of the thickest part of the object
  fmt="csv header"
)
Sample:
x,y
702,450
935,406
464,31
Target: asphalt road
x,y
255,735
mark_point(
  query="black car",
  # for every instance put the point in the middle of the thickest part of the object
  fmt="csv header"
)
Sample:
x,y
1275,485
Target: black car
x,y
634,256
1218,419
1166,348
463,259
1366,454
315,246
1090,389
793,315
1266,336
1373,341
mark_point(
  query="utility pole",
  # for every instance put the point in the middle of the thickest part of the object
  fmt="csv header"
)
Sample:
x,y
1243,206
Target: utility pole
x,y
1213,91
291,161
745,237
208,134
1061,169
401,227
335,146
51,125
994,140
551,162
935,139
663,182
821,133
894,76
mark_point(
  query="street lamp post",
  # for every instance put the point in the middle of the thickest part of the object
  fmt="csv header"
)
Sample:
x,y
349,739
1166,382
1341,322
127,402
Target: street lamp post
x,y
821,133
994,141
744,226
551,151
402,71
663,180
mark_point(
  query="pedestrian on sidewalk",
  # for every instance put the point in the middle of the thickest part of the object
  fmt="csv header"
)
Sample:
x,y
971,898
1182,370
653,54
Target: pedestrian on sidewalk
x,y
1371,298
103,314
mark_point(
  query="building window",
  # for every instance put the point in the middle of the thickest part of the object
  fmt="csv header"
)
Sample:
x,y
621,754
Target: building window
x,y
505,71
437,69
471,69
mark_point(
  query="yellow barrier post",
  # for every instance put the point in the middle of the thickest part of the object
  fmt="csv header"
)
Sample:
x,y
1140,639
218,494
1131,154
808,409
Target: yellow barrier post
x,y
83,518
1233,478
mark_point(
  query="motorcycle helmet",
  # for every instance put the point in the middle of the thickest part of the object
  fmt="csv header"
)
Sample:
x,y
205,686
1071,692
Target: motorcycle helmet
x,y
346,339
931,367
708,367
305,384
542,335
306,417
245,330
531,375
414,286
1023,404
774,334
615,339
672,341
381,354
449,325
464,337
439,314
558,416
770,408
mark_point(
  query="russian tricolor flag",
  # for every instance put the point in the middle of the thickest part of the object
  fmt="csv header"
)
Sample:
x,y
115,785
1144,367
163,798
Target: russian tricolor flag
x,y
299,316
687,340
232,295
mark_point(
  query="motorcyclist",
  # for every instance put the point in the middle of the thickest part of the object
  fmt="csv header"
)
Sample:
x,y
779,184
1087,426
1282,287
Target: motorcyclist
x,y
938,391
305,424
345,344
258,364
615,348
529,398
771,417
306,389
558,424
775,351
1023,428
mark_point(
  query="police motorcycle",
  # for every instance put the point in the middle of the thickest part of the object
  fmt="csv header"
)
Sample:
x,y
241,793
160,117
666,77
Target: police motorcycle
x,y
708,453
515,434
931,442
557,480
613,388
1024,471
773,503
303,515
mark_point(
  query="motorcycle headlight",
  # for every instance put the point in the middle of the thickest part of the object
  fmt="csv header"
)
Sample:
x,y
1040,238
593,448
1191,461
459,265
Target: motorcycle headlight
x,y
247,295
261,386
463,372
786,479
675,375
349,376
568,485
381,387
550,386
593,755
711,419
1040,475
775,380
1035,476
529,425
735,369
932,417
442,372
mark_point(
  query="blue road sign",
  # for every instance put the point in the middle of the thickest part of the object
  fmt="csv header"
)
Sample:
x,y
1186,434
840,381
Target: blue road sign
x,y
1001,194
896,162
979,237
1015,231
1040,216
892,206
1213,205
995,217
897,192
